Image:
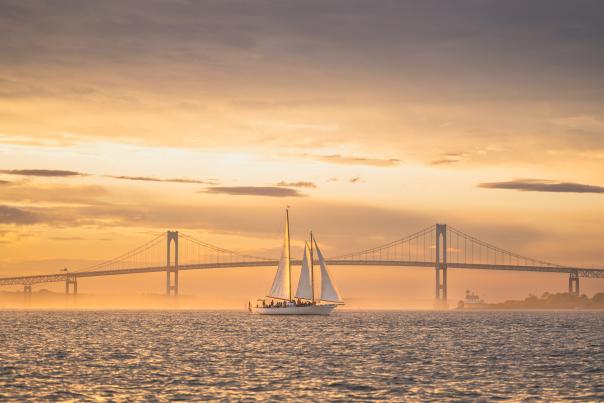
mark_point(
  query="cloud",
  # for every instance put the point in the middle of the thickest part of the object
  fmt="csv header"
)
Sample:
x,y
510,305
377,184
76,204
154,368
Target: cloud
x,y
53,193
540,185
286,103
14,235
41,172
173,180
223,44
14,215
66,238
355,179
62,173
226,43
350,160
270,191
447,159
300,184
4,182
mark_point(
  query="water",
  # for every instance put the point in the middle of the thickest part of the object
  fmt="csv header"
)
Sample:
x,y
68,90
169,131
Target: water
x,y
390,356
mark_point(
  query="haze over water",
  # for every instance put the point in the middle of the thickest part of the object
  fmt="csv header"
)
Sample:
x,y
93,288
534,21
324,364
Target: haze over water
x,y
389,356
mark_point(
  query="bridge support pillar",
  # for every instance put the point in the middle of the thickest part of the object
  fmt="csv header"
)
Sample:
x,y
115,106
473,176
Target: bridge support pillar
x,y
71,284
172,271
573,283
441,266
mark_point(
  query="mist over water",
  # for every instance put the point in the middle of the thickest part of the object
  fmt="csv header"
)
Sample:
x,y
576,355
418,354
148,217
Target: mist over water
x,y
393,356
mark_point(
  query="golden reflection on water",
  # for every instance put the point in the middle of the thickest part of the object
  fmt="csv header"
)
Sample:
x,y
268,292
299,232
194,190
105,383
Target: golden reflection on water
x,y
393,356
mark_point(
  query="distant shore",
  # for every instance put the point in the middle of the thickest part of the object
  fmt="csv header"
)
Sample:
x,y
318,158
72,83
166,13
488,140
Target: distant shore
x,y
548,301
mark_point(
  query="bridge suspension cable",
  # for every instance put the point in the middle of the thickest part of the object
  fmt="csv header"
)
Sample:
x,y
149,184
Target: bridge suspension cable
x,y
417,247
194,251
463,251
153,253
147,254
464,248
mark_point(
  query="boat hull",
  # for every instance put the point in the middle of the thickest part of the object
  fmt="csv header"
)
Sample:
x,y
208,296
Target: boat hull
x,y
323,309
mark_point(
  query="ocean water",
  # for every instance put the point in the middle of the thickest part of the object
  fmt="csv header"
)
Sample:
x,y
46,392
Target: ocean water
x,y
382,356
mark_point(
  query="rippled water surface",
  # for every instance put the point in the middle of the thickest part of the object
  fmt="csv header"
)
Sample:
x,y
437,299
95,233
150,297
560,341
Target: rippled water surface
x,y
390,356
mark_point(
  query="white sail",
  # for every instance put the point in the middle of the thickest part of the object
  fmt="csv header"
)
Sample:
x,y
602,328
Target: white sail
x,y
329,292
281,283
304,290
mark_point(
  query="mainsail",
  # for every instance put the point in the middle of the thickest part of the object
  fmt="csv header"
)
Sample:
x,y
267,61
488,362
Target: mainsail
x,y
329,292
282,283
304,290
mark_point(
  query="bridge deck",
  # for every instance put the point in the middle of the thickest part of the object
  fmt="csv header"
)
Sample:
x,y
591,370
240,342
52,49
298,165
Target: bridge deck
x,y
49,278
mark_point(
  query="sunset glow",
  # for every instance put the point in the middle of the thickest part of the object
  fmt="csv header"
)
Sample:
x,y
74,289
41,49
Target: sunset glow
x,y
120,121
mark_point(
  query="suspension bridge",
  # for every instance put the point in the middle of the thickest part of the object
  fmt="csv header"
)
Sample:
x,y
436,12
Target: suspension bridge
x,y
439,246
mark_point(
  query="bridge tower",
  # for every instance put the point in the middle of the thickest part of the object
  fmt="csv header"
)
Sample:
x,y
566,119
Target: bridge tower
x,y
71,283
441,266
172,289
573,283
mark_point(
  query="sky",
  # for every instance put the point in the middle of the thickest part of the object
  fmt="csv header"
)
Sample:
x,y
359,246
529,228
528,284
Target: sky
x,y
371,119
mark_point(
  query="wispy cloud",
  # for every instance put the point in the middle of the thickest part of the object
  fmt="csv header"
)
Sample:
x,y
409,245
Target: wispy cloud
x,y
540,185
14,215
153,179
352,160
355,179
448,159
286,103
300,184
63,173
66,238
41,172
269,191
4,182
36,194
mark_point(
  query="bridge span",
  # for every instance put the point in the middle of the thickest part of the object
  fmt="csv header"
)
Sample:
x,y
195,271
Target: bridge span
x,y
438,247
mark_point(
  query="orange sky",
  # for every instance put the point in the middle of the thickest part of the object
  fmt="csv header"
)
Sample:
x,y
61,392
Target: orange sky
x,y
372,120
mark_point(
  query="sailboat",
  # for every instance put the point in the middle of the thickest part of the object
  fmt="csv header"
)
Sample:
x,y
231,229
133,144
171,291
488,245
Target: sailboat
x,y
305,302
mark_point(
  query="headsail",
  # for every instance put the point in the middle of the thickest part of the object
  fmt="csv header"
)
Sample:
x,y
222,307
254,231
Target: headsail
x,y
304,290
329,292
281,284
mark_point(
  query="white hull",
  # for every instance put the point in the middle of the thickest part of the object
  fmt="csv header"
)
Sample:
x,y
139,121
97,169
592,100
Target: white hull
x,y
323,309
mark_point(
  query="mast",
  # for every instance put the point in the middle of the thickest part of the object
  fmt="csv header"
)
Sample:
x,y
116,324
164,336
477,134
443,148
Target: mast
x,y
312,271
289,258
281,288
